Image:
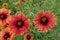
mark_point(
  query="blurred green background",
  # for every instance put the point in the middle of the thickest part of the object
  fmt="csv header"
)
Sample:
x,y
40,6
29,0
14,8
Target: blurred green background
x,y
30,8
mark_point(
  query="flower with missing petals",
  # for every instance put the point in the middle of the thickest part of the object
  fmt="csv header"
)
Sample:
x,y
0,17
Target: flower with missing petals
x,y
28,36
5,5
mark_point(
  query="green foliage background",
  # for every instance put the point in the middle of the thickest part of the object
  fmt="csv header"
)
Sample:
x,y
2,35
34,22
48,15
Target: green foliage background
x,y
30,8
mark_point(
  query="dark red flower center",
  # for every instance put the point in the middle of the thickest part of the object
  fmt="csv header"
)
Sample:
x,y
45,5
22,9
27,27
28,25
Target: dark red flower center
x,y
6,36
19,23
43,20
5,4
28,37
3,16
21,0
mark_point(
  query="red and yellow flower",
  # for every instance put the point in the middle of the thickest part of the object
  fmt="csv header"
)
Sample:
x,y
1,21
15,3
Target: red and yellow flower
x,y
28,36
21,0
44,20
18,5
19,24
7,35
4,15
5,5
